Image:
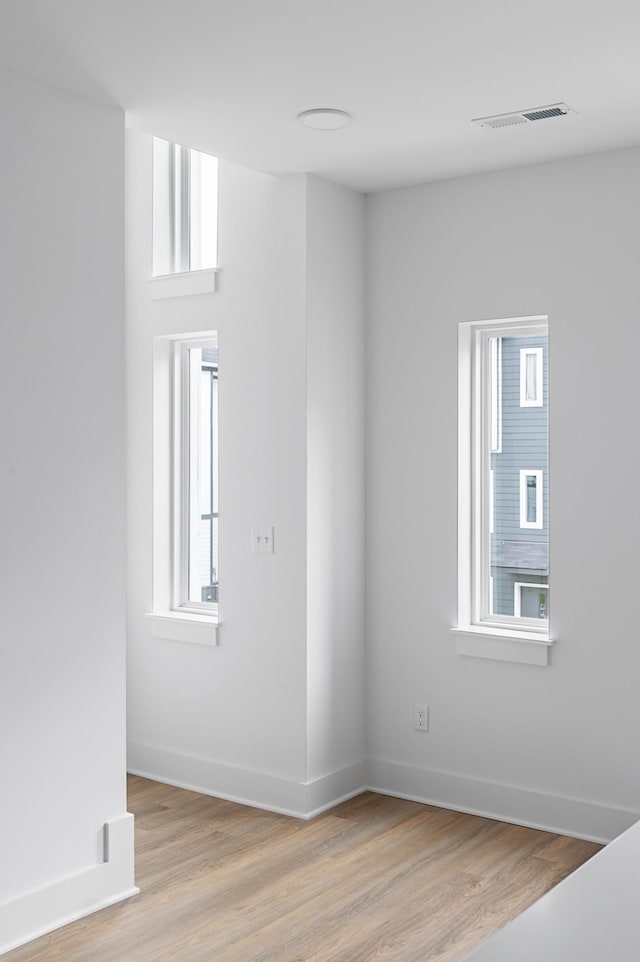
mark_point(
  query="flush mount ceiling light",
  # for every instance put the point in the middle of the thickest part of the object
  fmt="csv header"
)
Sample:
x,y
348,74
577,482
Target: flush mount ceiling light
x,y
325,118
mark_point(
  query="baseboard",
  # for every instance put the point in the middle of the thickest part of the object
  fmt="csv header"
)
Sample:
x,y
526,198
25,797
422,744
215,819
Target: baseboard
x,y
66,900
560,814
329,790
508,803
274,793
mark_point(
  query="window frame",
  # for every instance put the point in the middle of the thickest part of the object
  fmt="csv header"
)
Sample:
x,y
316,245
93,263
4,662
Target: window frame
x,y
479,631
538,400
538,474
172,617
517,596
178,229
182,480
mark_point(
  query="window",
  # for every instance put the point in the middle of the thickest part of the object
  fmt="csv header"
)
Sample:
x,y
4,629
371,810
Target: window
x,y
530,499
503,547
185,209
185,488
530,600
196,476
531,377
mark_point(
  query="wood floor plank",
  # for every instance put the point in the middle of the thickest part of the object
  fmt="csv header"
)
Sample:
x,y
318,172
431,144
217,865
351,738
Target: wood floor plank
x,y
404,923
571,852
377,879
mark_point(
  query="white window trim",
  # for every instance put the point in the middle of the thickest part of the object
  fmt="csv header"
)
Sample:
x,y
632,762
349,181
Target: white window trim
x,y
478,633
538,475
538,401
192,629
503,645
491,508
164,286
517,596
495,348
169,618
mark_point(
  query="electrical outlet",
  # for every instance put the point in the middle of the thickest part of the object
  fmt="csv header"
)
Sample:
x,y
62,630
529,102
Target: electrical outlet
x,y
421,717
262,539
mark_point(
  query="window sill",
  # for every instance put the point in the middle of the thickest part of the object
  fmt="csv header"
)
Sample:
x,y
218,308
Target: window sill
x,y
183,285
500,644
189,627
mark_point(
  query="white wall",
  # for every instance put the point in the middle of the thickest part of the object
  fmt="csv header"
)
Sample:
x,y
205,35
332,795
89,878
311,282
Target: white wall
x,y
232,720
558,239
335,477
62,556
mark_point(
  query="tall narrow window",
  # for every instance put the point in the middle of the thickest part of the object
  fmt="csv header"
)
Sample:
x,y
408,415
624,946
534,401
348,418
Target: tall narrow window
x,y
185,488
185,209
531,499
503,501
531,377
196,480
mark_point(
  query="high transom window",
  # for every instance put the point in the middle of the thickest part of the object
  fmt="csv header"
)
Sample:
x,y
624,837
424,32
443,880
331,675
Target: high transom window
x,y
185,209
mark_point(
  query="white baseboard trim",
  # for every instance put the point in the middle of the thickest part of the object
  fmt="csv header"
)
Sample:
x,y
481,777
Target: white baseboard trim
x,y
507,803
560,814
329,790
274,793
66,900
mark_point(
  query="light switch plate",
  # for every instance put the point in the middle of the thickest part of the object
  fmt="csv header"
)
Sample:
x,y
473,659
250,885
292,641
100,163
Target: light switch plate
x,y
262,539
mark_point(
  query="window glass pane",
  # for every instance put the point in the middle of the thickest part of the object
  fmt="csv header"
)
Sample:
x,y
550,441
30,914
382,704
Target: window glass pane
x,y
203,476
532,383
205,441
204,211
531,498
533,601
517,554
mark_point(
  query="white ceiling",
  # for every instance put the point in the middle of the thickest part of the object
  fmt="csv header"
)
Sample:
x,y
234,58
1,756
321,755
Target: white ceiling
x,y
230,77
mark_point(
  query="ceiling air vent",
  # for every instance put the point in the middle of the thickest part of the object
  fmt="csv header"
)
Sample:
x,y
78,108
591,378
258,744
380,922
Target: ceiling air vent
x,y
524,116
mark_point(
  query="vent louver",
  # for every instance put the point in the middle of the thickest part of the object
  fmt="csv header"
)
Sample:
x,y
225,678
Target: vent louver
x,y
524,116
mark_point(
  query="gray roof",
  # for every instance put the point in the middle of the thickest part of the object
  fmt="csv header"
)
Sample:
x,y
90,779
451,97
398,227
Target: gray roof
x,y
522,554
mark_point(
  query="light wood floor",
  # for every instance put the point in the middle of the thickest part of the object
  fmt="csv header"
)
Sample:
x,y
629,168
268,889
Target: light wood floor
x,y
375,879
